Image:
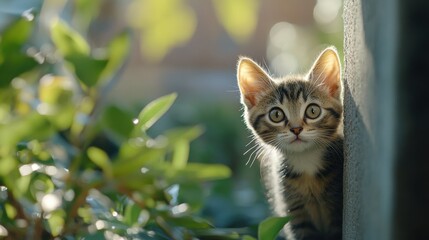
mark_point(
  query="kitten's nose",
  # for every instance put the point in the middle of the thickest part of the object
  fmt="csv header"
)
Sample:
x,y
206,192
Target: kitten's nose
x,y
296,130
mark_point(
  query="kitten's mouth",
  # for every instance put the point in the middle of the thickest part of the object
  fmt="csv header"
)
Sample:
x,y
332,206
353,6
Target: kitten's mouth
x,y
297,140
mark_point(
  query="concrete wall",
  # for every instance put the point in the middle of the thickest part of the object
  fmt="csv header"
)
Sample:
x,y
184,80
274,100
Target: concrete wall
x,y
386,119
369,49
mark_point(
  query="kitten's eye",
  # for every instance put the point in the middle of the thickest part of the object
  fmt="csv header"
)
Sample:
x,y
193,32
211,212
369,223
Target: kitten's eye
x,y
313,111
277,115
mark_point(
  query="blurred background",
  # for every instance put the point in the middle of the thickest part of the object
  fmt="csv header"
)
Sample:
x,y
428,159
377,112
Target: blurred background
x,y
191,47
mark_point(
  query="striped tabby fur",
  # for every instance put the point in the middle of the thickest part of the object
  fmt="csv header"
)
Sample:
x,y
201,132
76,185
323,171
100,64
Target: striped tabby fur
x,y
297,122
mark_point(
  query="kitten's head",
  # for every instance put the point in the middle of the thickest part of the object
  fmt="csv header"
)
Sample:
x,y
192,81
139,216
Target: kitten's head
x,y
295,113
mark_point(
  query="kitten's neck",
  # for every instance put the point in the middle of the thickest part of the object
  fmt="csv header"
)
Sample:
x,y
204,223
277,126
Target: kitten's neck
x,y
307,162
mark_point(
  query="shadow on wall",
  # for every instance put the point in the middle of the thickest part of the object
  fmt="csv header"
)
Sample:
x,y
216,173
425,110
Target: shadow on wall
x,y
357,147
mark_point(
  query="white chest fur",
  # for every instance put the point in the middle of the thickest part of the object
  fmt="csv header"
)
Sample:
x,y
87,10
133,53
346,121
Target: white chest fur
x,y
309,162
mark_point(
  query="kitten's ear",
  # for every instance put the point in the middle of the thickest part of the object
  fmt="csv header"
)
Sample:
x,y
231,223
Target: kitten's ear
x,y
252,80
327,71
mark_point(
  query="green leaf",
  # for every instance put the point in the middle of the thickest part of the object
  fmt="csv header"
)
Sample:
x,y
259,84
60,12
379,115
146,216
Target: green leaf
x,y
88,11
55,222
55,90
190,222
13,61
10,211
203,172
247,237
270,227
33,126
63,118
192,193
100,158
20,186
56,94
154,110
118,121
132,213
68,41
184,133
118,50
7,165
40,184
76,51
85,213
180,154
87,69
14,66
128,166
15,36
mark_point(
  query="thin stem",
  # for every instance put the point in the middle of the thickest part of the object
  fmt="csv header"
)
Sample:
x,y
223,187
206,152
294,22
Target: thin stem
x,y
19,210
129,194
161,222
38,228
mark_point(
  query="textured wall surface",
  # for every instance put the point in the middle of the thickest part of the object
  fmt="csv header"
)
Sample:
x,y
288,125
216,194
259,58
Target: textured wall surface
x,y
355,132
369,86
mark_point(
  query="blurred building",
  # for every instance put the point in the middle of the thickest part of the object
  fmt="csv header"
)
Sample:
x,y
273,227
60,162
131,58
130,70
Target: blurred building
x,y
204,67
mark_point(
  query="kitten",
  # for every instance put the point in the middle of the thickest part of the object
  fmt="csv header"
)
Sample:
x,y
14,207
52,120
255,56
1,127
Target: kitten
x,y
297,122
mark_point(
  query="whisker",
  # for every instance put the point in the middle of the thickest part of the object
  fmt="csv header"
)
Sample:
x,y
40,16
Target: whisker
x,y
256,153
248,150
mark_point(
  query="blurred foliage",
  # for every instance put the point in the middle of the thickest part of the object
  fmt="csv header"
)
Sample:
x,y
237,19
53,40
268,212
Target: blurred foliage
x,y
72,167
269,228
165,24
237,201
172,24
239,26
